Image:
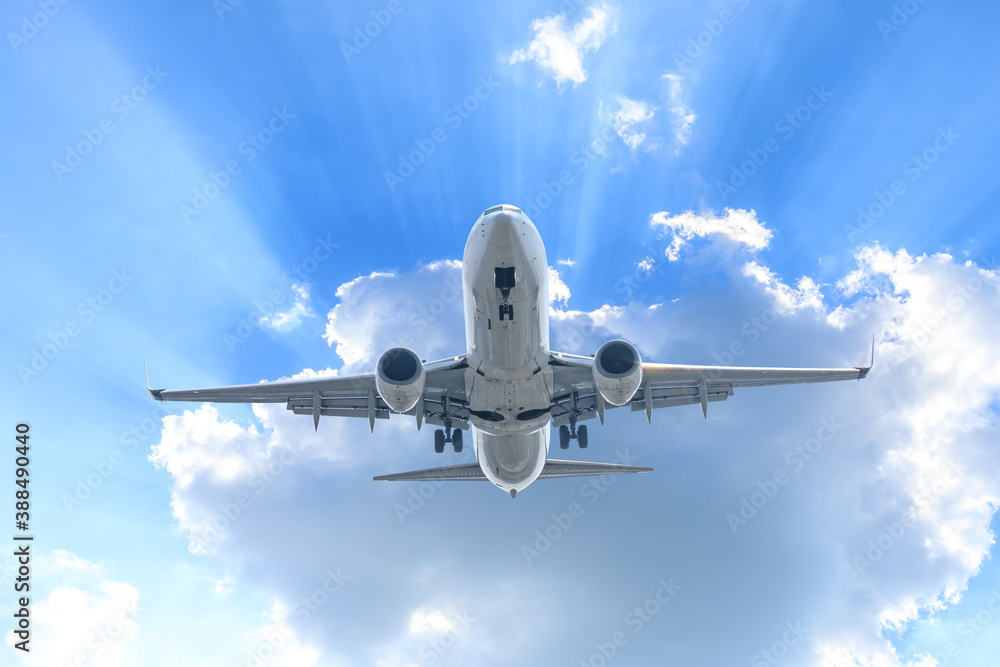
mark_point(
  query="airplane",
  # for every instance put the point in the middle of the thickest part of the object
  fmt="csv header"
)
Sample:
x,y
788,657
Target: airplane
x,y
508,387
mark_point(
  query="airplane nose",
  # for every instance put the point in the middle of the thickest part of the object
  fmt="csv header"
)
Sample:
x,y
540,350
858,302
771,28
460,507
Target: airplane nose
x,y
503,230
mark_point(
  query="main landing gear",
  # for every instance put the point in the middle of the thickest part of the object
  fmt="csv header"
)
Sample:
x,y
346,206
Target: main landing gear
x,y
440,438
573,432
579,434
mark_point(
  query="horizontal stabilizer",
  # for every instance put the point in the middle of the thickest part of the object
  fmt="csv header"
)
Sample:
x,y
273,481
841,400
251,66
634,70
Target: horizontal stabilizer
x,y
462,473
553,469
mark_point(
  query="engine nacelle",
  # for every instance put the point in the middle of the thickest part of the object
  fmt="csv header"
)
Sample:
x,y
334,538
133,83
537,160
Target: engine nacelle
x,y
399,378
617,371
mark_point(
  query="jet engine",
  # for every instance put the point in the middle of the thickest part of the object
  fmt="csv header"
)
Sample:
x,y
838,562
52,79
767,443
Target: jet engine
x,y
617,371
399,378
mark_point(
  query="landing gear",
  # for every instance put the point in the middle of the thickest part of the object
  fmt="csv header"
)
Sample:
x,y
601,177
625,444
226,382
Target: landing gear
x,y
503,280
441,438
444,436
572,432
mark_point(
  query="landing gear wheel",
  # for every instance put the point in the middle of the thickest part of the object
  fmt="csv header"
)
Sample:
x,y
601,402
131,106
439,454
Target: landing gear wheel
x,y
581,436
564,437
439,441
456,441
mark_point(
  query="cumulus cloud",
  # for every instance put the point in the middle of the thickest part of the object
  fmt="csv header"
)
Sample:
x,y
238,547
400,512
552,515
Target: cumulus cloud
x,y
631,115
683,117
805,294
200,442
882,525
912,525
277,644
380,311
558,48
737,226
201,449
94,623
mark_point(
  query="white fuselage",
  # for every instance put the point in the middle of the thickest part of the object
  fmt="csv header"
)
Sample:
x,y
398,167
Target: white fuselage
x,y
508,381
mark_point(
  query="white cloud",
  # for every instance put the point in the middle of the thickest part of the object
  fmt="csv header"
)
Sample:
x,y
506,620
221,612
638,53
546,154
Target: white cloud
x,y
379,311
633,113
201,449
558,48
96,624
922,418
430,622
224,586
683,116
806,294
293,316
566,262
200,442
922,431
558,291
737,226
277,644
60,559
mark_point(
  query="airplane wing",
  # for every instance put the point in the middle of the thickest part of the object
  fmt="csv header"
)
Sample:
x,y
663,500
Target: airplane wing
x,y
345,396
669,385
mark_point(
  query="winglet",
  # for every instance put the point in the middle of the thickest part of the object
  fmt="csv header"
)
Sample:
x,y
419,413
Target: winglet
x,y
863,370
155,393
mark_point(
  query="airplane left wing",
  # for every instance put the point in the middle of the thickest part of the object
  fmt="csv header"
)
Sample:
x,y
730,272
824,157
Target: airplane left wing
x,y
669,385
345,396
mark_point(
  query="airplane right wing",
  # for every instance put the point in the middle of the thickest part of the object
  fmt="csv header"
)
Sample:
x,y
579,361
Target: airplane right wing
x,y
345,396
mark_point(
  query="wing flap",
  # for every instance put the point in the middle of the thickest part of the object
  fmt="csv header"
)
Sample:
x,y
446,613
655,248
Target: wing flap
x,y
639,404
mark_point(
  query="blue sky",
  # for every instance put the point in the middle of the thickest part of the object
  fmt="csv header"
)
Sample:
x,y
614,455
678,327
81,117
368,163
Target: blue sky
x,y
241,192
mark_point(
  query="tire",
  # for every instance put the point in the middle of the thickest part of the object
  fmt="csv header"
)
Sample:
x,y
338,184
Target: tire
x,y
581,436
564,437
456,441
439,441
